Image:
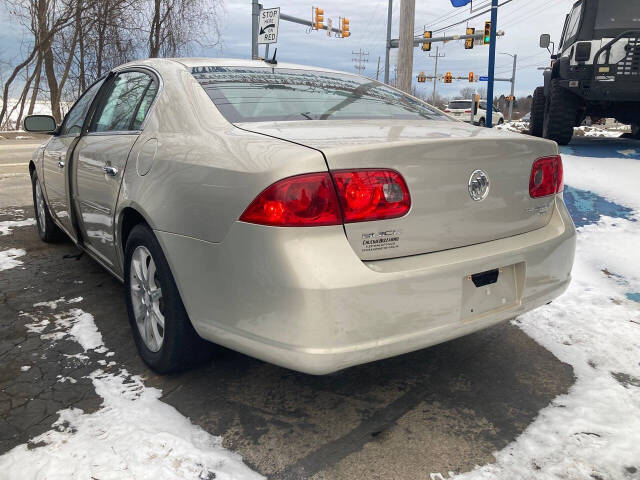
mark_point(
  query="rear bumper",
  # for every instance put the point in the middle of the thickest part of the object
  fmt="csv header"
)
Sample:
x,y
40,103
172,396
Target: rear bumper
x,y
306,302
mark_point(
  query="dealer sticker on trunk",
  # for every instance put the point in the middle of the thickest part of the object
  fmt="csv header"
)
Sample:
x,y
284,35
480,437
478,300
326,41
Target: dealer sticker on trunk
x,y
374,242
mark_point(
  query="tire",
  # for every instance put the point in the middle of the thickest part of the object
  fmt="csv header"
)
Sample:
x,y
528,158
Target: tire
x,y
482,123
501,121
164,335
47,229
536,124
560,114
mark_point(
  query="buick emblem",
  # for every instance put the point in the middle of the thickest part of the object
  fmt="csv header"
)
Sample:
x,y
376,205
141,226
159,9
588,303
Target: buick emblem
x,y
479,185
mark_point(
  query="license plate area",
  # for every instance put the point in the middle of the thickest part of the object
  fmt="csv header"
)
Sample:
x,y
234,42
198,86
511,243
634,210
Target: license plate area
x,y
491,291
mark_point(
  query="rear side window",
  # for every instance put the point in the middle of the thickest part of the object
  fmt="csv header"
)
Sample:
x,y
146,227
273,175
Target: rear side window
x,y
127,103
267,94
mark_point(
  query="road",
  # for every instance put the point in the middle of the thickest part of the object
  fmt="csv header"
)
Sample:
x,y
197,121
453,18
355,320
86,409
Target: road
x,y
14,173
443,409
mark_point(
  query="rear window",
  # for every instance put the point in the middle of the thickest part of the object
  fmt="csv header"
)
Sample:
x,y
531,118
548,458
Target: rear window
x,y
460,105
267,94
618,15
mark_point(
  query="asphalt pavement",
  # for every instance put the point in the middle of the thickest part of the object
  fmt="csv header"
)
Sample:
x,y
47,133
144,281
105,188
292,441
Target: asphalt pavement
x,y
443,409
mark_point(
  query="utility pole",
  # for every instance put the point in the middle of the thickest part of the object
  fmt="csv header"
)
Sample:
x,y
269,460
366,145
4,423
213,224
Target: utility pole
x,y
492,62
435,73
405,46
513,87
378,69
388,49
360,60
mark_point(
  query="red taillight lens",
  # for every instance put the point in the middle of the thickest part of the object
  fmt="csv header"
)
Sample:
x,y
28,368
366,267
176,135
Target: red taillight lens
x,y
367,195
546,177
301,201
467,111
447,111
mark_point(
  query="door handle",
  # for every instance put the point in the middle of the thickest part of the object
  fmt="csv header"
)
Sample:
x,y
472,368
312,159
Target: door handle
x,y
109,170
60,164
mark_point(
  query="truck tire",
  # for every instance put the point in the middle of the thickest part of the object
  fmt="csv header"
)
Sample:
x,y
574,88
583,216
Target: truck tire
x,y
560,114
536,124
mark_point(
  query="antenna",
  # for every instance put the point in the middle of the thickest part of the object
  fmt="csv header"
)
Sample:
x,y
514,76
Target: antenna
x,y
273,61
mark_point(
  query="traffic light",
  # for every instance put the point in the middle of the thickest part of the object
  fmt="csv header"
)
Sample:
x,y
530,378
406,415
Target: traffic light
x,y
422,78
468,43
345,27
448,78
487,33
510,98
472,77
426,46
318,18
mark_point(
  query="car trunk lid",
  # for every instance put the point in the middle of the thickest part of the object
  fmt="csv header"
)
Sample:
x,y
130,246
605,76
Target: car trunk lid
x,y
437,160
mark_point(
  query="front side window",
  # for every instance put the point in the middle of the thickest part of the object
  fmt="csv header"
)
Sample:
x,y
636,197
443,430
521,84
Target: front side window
x,y
266,94
126,104
74,120
572,25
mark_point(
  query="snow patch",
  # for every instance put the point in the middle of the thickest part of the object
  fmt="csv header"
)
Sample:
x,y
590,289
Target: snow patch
x,y
8,258
594,430
133,435
25,368
7,225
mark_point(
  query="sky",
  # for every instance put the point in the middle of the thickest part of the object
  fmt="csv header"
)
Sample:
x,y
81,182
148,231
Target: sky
x,y
522,21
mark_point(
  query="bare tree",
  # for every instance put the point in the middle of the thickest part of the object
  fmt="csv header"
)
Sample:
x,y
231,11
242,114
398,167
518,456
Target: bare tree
x,y
75,42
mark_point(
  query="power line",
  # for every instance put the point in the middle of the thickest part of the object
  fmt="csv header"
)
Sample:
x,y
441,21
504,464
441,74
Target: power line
x,y
471,18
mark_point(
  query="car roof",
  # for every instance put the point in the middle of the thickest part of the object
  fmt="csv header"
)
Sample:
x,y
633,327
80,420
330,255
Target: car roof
x,y
190,62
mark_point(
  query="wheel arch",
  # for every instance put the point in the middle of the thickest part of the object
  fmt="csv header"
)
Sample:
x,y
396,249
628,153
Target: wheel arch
x,y
128,217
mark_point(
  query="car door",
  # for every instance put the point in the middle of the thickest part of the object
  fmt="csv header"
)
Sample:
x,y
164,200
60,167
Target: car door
x,y
102,156
56,157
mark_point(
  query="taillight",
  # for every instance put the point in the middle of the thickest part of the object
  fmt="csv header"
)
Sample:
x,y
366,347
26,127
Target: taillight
x,y
311,200
447,111
367,195
301,201
467,111
546,177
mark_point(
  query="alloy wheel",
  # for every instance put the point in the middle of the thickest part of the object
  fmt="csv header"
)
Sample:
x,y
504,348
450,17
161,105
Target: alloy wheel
x,y
146,298
40,207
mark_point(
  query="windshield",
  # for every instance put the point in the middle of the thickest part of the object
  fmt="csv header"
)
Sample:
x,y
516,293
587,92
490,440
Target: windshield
x,y
618,15
266,94
460,105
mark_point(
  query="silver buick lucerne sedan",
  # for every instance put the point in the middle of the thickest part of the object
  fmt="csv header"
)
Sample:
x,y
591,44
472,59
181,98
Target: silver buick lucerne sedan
x,y
307,217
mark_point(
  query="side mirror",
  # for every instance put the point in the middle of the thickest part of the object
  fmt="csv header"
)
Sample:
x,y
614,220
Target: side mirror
x,y
40,124
545,40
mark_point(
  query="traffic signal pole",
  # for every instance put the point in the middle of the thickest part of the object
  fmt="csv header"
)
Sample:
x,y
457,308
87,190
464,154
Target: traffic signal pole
x,y
492,62
387,53
255,13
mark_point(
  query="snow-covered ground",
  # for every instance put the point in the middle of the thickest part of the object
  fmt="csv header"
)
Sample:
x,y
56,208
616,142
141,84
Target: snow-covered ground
x,y
593,131
134,435
593,432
